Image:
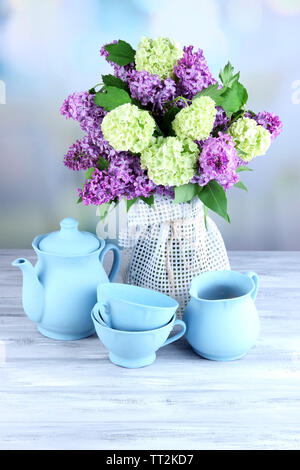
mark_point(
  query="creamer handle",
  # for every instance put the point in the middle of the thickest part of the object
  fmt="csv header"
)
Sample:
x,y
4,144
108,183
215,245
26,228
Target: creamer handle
x,y
254,277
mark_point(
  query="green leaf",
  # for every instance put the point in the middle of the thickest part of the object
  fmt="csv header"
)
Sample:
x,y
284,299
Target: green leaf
x,y
130,202
227,77
79,200
148,200
120,53
92,90
226,74
165,123
89,173
213,92
112,98
102,164
137,103
185,193
111,80
240,185
233,99
157,132
116,202
213,196
243,168
236,116
205,210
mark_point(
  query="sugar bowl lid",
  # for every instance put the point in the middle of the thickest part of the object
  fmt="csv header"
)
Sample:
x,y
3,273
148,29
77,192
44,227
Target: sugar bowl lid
x,y
69,241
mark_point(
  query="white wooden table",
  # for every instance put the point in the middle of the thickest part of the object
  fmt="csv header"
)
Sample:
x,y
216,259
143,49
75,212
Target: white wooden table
x,y
67,395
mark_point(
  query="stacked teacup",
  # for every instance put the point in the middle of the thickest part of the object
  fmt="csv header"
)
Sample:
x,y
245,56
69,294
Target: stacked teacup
x,y
133,323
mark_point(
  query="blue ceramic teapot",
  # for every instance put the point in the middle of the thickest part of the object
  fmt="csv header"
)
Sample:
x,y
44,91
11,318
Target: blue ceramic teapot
x,y
61,289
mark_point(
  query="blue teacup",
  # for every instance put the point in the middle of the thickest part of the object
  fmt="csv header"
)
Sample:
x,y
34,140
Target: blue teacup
x,y
221,319
133,349
130,308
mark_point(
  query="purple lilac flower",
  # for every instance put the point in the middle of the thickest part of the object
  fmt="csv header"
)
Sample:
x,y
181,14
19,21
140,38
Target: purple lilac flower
x,y
165,191
120,71
218,161
82,155
80,106
150,89
85,153
269,121
193,73
123,178
221,119
97,190
106,150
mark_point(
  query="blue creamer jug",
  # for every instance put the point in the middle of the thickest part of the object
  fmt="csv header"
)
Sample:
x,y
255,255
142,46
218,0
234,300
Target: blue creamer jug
x,y
221,319
61,289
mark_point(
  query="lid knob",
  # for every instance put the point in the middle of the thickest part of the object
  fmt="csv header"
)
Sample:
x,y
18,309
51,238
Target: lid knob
x,y
69,241
69,223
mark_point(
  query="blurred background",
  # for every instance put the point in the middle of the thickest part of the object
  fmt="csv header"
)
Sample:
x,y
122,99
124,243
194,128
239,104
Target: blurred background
x,y
50,48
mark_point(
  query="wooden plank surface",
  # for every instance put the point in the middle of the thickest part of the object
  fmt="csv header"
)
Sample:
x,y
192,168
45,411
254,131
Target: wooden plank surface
x,y
67,395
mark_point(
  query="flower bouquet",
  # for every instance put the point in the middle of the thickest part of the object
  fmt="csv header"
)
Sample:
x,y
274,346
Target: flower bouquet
x,y
161,131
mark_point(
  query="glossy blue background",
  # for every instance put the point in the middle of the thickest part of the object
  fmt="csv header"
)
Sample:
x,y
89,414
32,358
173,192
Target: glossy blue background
x,y
50,48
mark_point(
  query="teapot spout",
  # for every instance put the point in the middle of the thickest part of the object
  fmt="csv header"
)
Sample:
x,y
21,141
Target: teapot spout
x,y
33,291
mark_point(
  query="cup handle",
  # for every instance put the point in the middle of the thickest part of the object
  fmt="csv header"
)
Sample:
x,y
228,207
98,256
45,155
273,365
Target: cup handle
x,y
178,335
254,277
103,309
117,259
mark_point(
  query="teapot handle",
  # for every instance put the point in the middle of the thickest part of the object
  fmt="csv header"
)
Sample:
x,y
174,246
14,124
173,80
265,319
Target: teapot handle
x,y
117,259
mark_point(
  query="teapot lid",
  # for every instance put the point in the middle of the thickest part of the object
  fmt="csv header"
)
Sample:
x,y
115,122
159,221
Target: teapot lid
x,y
69,241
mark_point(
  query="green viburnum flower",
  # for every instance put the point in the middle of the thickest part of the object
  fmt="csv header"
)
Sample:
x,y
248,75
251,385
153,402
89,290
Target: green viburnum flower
x,y
157,56
128,128
250,138
196,121
171,161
